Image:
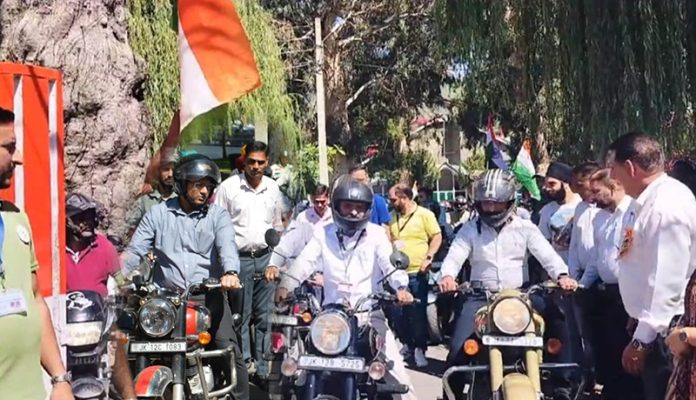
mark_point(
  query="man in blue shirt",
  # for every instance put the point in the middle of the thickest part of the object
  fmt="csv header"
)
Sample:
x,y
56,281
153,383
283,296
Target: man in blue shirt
x,y
380,210
192,241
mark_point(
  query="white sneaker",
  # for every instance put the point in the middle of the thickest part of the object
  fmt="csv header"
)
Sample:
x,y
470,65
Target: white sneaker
x,y
406,352
419,357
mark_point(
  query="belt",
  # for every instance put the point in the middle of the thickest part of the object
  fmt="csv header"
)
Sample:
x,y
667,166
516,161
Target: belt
x,y
255,253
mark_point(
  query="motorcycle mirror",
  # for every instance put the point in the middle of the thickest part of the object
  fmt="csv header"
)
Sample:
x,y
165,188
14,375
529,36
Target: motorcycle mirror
x,y
399,260
272,238
236,320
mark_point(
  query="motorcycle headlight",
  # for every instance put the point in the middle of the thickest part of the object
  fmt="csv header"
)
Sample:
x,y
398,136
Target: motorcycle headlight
x,y
87,388
198,319
330,333
511,316
157,317
82,334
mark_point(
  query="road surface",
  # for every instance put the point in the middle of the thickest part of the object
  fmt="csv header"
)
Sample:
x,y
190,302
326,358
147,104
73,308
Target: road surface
x,y
426,381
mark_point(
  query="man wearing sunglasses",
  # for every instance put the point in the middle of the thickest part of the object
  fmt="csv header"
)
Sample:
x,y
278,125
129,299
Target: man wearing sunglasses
x,y
255,203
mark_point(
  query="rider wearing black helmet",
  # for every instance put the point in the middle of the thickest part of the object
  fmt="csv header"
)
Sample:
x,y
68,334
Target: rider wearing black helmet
x,y
353,255
193,240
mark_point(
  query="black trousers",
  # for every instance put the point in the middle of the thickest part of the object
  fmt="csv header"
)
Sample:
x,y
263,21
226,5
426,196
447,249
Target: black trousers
x,y
610,338
223,331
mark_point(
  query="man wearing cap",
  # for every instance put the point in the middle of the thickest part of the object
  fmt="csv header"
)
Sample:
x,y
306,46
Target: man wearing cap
x,y
91,259
28,340
556,217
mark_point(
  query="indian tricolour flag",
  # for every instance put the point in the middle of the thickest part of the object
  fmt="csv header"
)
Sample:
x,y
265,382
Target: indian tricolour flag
x,y
524,171
216,60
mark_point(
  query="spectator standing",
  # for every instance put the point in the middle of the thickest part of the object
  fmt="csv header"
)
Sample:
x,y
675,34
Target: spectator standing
x,y
380,211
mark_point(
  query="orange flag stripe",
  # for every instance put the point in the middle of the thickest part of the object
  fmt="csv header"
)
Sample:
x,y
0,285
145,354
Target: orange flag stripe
x,y
220,45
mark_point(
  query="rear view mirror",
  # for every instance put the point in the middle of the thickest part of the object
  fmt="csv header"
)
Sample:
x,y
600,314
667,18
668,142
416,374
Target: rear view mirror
x,y
399,260
272,238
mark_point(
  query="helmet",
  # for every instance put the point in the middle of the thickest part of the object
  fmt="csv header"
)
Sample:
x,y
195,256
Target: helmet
x,y
194,167
349,189
77,203
497,186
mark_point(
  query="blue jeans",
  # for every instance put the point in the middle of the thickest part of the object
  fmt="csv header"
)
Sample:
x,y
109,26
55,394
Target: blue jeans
x,y
413,322
256,309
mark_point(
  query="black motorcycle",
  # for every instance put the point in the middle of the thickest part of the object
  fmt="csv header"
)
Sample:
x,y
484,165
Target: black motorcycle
x,y
86,336
343,360
168,335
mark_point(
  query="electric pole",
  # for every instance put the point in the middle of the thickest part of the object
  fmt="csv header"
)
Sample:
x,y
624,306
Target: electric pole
x,y
321,107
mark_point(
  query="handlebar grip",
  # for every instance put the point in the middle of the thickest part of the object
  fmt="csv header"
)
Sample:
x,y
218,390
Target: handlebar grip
x,y
394,388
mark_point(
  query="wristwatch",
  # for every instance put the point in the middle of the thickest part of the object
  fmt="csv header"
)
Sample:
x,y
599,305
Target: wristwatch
x,y
640,346
231,273
66,377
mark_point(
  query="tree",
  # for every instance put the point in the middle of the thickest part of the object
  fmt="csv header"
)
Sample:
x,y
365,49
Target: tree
x,y
379,64
577,74
153,38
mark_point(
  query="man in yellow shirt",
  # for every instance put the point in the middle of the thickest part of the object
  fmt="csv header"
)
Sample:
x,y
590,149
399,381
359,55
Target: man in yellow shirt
x,y
415,231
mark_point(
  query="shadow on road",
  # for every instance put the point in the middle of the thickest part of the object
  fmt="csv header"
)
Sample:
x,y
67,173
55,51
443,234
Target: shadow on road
x,y
435,368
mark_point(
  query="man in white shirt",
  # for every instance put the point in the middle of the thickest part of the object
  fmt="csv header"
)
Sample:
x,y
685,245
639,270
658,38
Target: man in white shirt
x,y
657,255
354,256
610,316
587,219
299,233
496,244
255,203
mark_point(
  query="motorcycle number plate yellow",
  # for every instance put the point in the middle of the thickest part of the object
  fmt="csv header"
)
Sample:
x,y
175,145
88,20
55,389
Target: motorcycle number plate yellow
x,y
158,347
345,364
513,341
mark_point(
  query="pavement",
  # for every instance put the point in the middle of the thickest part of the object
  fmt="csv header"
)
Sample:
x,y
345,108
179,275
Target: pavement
x,y
427,381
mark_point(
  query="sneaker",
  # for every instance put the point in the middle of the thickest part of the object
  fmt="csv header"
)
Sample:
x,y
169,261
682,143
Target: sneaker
x,y
419,356
406,352
251,367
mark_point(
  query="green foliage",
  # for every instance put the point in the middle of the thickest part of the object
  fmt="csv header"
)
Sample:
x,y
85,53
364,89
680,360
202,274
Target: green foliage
x,y
473,165
151,35
422,167
580,73
153,39
306,171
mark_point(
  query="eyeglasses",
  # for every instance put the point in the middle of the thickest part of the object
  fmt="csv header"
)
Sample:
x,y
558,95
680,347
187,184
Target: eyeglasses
x,y
201,185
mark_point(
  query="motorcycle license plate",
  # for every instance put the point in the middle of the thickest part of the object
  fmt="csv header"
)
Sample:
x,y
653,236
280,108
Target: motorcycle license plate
x,y
345,364
283,320
513,341
158,347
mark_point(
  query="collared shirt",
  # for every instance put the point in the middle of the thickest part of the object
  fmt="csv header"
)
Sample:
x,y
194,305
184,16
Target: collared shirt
x,y
654,269
311,217
497,258
380,211
608,238
90,268
253,211
189,247
556,224
588,219
297,235
352,269
412,234
20,343
143,204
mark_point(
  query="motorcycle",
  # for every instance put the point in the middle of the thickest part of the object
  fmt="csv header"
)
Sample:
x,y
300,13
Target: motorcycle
x,y
168,334
290,326
86,336
509,344
343,360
